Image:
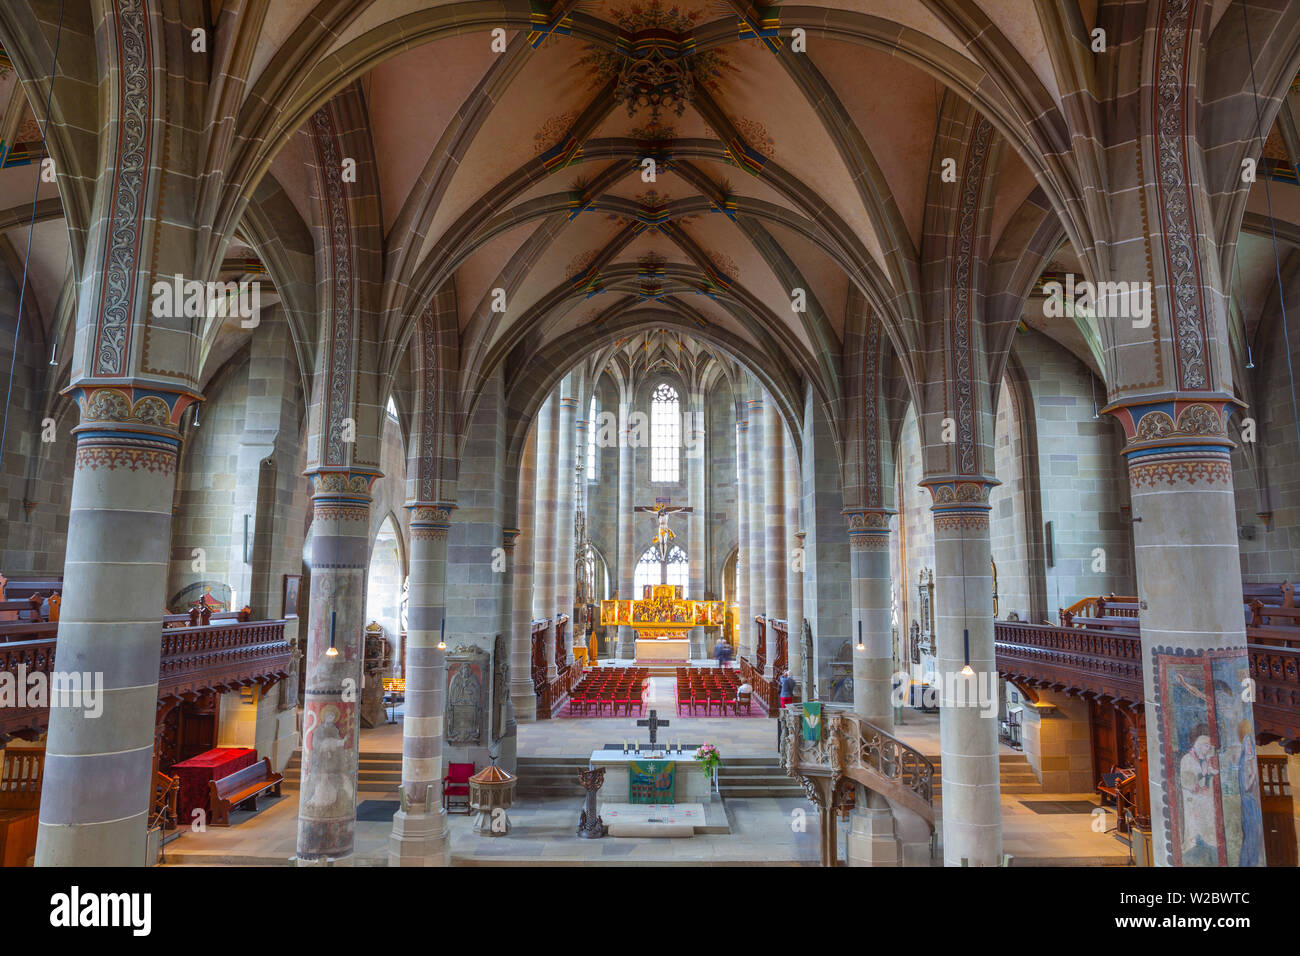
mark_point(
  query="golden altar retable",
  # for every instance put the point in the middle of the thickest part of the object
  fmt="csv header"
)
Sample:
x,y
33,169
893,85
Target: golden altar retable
x,y
661,614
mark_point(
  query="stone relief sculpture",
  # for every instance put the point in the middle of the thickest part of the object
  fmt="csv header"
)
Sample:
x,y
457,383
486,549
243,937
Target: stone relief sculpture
x,y
467,676
500,688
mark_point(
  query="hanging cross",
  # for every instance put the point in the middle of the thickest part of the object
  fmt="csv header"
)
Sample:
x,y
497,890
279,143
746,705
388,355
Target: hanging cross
x,y
654,723
662,512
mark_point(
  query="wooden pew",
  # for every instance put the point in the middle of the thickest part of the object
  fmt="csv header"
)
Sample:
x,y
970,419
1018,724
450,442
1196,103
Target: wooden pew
x,y
1278,595
242,787
11,631
21,774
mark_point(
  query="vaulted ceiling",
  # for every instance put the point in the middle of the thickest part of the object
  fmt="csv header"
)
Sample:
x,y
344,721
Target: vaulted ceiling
x,y
518,163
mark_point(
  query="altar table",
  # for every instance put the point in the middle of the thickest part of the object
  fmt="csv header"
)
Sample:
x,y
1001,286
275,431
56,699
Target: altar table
x,y
690,785
666,650
197,771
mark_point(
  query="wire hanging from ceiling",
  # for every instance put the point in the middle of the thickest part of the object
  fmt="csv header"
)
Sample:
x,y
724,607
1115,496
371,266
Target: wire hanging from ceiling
x,y
1272,226
31,227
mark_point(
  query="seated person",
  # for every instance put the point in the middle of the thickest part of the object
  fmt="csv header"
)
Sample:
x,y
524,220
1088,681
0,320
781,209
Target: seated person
x,y
744,689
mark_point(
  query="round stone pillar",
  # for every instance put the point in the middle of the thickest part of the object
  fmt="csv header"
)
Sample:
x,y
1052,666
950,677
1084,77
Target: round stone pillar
x,y
99,752
968,714
627,556
331,715
419,836
755,513
873,662
522,692
744,635
544,570
697,520
774,543
1196,669
565,491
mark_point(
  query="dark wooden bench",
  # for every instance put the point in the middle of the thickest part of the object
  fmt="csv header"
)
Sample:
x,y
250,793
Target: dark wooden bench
x,y
1126,625
1282,595
242,787
1112,606
1269,615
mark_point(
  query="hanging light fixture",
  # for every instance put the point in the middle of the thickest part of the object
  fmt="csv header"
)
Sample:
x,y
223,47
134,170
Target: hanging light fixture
x,y
442,632
861,646
967,670
333,651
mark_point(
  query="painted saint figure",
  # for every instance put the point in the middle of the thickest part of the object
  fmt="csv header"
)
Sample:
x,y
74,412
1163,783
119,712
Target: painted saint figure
x,y
1196,781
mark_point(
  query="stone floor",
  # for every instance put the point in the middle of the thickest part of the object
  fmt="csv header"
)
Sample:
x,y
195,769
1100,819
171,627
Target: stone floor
x,y
779,832
774,832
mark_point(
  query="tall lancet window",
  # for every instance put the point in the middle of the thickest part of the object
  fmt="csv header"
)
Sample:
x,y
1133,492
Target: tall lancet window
x,y
648,570
665,434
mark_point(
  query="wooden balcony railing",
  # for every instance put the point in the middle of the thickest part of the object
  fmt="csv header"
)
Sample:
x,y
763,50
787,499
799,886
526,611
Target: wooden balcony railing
x,y
764,690
215,657
1106,663
552,693
1102,662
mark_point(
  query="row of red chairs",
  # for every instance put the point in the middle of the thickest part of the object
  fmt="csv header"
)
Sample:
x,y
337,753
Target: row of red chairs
x,y
722,696
609,688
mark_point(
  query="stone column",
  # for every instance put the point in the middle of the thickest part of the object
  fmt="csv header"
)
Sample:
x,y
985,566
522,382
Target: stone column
x,y
419,836
774,543
581,436
522,692
564,500
544,572
1193,632
755,514
794,565
744,635
698,519
98,766
627,557
869,569
872,833
968,726
331,716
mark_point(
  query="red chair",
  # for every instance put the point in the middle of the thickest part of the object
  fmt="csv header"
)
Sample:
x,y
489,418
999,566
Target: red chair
x,y
456,784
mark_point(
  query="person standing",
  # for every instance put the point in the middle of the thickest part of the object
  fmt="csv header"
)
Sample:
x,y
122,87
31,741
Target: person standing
x,y
786,689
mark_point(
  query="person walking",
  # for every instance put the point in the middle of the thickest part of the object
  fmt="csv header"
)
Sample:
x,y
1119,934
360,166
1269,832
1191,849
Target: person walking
x,y
722,652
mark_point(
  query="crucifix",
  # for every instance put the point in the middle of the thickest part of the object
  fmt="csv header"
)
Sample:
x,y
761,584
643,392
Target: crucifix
x,y
654,723
665,534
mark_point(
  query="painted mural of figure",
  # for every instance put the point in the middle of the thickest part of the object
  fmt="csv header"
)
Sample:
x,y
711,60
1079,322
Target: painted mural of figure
x,y
1248,777
1196,780
330,783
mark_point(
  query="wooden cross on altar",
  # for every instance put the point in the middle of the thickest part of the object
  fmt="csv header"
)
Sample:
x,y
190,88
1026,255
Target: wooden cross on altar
x,y
654,723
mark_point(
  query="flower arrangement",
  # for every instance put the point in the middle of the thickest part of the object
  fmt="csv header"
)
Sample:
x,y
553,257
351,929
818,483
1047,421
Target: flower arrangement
x,y
709,759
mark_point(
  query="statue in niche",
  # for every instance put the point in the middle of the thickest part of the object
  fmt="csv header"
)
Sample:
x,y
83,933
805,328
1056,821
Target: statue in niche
x,y
467,674
916,642
806,642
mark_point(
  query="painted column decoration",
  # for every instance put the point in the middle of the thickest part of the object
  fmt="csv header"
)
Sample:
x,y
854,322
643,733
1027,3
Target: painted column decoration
x,y
331,718
98,766
1205,802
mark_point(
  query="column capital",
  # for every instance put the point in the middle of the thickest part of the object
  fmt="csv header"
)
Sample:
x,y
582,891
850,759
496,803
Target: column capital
x,y
342,483
568,401
430,519
508,538
134,425
868,528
